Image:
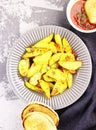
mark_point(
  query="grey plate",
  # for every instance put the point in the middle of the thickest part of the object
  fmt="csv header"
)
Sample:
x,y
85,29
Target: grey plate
x,y
81,79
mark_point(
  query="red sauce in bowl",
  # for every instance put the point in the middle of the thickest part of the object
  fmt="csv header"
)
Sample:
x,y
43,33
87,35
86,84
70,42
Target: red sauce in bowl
x,y
79,17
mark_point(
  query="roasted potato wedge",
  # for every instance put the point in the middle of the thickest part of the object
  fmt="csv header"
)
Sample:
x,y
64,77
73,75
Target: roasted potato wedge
x,y
54,66
33,87
71,65
52,47
35,78
59,88
67,57
56,74
58,42
23,66
35,68
66,46
43,59
35,52
44,41
45,87
54,58
48,79
47,46
44,68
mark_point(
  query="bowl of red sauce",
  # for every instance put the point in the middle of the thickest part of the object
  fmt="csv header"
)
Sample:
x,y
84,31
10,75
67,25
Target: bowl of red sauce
x,y
78,18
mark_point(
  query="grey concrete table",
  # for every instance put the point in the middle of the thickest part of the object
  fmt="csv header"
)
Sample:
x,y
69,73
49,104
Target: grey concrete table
x,y
16,18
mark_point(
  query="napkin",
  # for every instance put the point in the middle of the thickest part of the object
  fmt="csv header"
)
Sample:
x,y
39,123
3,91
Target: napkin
x,y
82,114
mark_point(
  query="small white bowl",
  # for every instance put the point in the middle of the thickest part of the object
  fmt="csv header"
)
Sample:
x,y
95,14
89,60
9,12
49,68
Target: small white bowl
x,y
68,11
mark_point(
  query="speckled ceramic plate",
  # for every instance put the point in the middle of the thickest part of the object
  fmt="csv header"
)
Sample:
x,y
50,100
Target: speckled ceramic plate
x,y
81,79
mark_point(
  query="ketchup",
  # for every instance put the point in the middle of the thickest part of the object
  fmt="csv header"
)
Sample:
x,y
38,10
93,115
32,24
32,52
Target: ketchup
x,y
79,17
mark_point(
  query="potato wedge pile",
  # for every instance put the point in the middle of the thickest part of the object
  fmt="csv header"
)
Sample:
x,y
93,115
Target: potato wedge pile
x,y
49,65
